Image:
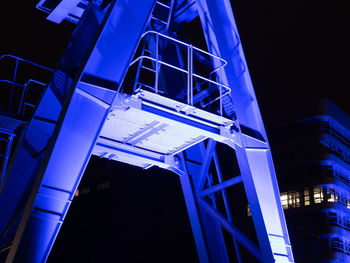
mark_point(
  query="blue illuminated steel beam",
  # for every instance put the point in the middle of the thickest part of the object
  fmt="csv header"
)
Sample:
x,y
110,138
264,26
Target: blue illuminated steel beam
x,y
255,162
56,146
206,217
205,165
218,187
84,112
192,207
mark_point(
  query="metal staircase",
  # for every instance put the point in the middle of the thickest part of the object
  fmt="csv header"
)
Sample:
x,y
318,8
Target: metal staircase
x,y
20,94
129,89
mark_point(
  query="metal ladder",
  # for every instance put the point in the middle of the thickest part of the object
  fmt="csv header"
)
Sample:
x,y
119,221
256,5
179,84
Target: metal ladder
x,y
202,97
160,25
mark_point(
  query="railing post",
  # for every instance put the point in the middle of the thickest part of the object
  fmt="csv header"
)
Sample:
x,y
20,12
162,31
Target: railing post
x,y
220,89
189,74
157,63
22,99
191,79
13,86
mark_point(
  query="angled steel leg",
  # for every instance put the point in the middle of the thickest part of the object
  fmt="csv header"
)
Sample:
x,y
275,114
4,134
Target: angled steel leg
x,y
60,138
192,207
253,155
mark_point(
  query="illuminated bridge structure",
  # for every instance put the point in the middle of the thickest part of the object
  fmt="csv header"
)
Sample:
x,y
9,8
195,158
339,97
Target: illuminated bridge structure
x,y
132,87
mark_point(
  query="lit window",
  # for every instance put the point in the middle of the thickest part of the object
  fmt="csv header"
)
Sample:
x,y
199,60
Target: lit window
x,y
332,196
249,212
296,199
290,199
318,195
293,199
306,197
284,200
77,192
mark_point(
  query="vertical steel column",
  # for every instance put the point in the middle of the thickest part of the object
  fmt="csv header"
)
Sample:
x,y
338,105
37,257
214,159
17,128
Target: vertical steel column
x,y
192,207
227,206
208,221
206,231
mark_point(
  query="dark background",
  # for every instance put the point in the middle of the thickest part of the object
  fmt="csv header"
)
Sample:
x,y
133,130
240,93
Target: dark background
x,y
297,51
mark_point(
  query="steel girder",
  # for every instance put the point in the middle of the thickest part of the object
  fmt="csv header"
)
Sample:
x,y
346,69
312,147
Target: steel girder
x,y
67,125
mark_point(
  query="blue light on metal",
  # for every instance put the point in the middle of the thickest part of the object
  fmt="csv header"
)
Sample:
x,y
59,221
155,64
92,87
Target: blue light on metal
x,y
128,89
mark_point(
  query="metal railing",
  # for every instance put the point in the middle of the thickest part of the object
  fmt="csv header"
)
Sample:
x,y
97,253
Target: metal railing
x,y
15,88
18,93
213,80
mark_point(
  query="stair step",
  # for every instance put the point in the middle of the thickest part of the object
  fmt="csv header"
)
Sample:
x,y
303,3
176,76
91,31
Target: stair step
x,y
159,20
9,125
147,68
6,247
164,5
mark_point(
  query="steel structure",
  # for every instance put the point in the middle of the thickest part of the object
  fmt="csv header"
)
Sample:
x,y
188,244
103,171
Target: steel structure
x,y
131,88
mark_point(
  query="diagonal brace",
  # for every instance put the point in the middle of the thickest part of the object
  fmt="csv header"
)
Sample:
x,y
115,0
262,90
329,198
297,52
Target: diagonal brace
x,y
205,165
238,235
220,186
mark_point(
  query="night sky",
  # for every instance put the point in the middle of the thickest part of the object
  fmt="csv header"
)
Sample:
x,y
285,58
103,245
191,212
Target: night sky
x,y
296,51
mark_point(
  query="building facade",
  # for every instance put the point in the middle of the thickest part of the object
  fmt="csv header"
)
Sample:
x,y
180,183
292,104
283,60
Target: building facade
x,y
312,159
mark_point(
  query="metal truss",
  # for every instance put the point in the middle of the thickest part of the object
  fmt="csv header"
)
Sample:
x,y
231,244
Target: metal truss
x,y
174,116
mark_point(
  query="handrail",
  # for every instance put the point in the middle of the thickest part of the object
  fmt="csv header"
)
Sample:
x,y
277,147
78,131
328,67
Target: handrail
x,y
155,57
27,87
26,61
14,73
183,43
11,82
182,70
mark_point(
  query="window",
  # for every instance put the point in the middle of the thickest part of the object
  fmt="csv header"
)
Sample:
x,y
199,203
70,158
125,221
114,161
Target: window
x,y
294,199
102,185
84,190
333,217
290,199
346,222
306,197
284,200
249,212
318,195
339,220
332,196
335,243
